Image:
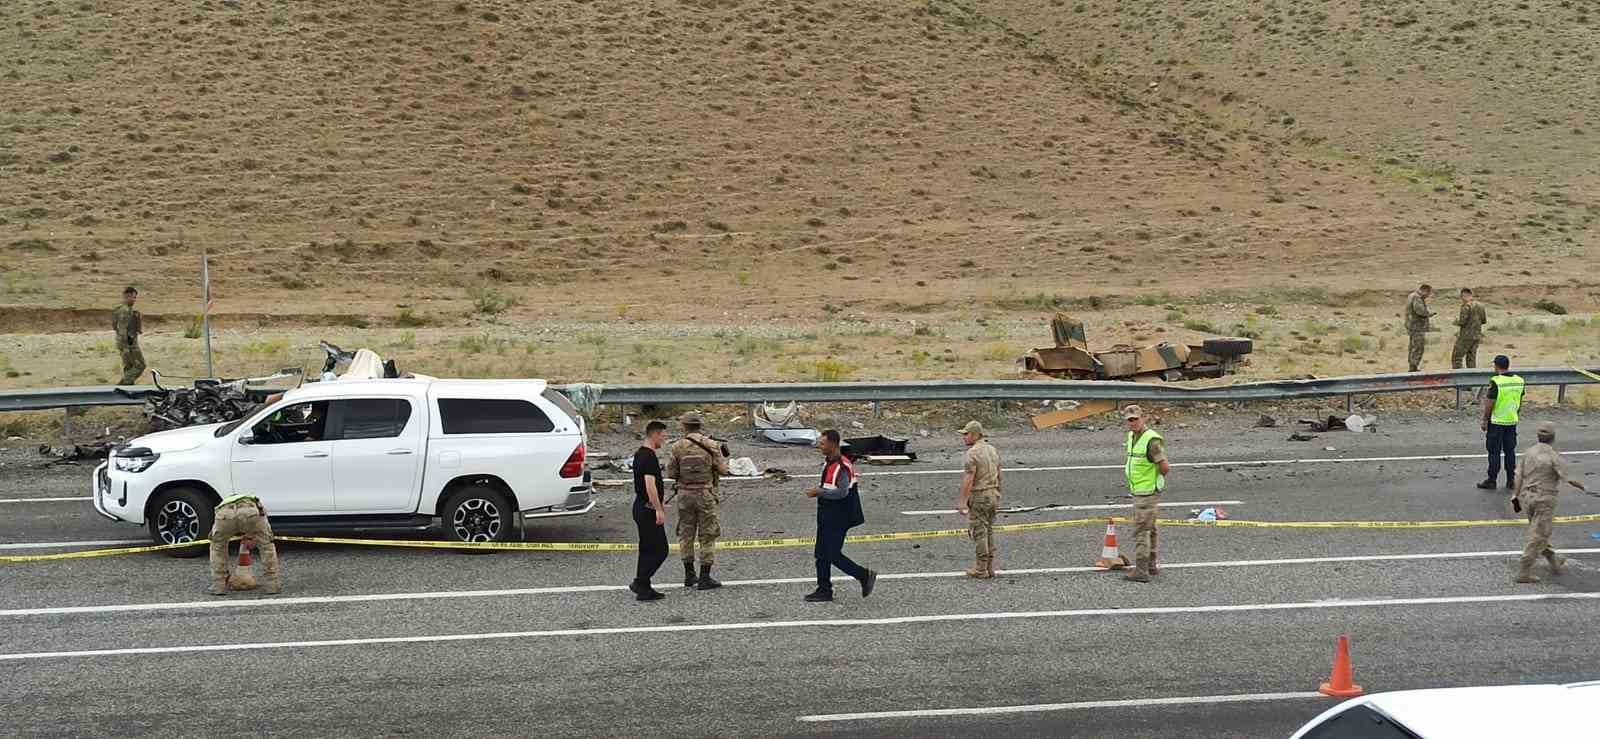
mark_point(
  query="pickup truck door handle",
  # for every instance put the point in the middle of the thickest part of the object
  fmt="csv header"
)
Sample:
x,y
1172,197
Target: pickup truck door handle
x,y
316,455
398,452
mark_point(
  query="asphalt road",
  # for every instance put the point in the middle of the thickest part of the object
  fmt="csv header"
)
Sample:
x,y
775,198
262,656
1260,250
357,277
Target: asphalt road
x,y
371,641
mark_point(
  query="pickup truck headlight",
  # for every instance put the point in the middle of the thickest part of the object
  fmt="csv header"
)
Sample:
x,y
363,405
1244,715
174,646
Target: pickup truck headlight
x,y
134,464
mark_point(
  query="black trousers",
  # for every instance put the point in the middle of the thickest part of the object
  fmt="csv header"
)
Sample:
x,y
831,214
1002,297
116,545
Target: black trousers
x,y
830,554
1501,441
652,543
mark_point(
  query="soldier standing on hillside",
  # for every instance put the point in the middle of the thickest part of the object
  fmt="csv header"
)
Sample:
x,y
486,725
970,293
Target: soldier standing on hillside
x,y
1417,315
127,325
1469,331
697,464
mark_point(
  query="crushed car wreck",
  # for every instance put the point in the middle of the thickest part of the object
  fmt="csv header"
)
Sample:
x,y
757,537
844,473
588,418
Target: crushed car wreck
x,y
1070,358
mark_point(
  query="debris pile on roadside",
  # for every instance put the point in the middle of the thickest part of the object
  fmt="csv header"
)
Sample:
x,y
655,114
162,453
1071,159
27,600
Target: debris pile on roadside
x,y
781,424
1070,358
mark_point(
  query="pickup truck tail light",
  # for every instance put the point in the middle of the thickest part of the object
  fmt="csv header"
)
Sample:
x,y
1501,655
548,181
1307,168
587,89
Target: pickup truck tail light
x,y
574,465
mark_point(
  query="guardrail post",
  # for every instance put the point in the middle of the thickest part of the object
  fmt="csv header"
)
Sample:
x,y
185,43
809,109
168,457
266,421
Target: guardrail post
x,y
877,409
1561,394
1349,404
1458,397
66,421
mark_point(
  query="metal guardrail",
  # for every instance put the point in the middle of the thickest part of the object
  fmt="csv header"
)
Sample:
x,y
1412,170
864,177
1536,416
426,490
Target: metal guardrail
x,y
828,392
71,397
842,392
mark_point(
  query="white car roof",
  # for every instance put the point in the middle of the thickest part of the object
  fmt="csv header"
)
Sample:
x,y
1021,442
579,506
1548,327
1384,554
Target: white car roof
x,y
414,386
1545,711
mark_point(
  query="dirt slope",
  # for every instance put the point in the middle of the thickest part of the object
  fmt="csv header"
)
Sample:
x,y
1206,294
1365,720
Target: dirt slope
x,y
592,159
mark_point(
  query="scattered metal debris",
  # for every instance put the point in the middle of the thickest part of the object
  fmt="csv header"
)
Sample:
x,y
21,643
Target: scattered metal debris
x,y
1164,362
863,447
782,425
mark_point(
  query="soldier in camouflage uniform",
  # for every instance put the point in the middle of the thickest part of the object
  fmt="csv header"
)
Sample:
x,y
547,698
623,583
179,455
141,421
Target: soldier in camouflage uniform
x,y
244,516
127,325
980,497
1469,331
696,466
1417,315
1542,473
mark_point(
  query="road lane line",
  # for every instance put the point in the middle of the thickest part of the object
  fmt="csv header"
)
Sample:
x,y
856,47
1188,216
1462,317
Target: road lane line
x,y
1096,507
43,500
562,589
806,624
1082,705
63,544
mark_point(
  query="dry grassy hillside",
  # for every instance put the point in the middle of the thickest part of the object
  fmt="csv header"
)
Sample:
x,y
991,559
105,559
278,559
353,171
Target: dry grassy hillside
x,y
387,152
1500,97
711,181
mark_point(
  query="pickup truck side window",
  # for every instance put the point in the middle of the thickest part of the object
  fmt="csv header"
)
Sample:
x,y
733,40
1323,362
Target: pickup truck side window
x,y
293,424
492,416
368,418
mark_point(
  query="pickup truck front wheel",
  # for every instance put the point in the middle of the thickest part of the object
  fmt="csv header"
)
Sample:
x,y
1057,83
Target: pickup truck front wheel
x,y
477,514
181,515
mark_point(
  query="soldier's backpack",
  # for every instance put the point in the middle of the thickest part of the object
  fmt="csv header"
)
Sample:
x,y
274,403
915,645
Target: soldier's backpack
x,y
696,468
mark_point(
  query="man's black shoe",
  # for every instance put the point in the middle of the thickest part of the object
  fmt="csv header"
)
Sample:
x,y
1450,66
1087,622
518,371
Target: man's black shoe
x,y
820,596
1486,485
689,579
650,595
634,587
707,582
869,582
1511,484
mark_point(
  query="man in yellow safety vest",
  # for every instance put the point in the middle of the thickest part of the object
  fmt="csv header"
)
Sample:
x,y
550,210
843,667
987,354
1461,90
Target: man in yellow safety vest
x,y
1501,405
1146,471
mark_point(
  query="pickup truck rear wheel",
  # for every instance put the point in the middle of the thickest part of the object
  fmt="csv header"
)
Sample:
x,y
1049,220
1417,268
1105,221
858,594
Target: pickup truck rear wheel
x,y
180,515
477,514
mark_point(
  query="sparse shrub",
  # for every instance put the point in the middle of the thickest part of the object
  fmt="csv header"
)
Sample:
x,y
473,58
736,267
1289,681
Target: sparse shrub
x,y
832,370
1195,324
1550,306
407,317
194,328
489,301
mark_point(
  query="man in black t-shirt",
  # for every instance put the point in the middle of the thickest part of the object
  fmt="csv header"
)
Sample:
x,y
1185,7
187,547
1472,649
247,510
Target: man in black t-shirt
x,y
648,512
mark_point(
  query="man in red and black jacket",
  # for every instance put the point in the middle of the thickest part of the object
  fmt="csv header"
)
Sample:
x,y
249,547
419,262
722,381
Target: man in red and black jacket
x,y
838,510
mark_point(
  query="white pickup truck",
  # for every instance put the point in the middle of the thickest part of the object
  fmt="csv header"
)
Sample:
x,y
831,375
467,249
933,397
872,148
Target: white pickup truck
x,y
480,455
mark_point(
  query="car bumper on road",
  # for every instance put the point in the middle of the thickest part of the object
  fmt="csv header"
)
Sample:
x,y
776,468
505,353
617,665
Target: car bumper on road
x,y
110,498
579,501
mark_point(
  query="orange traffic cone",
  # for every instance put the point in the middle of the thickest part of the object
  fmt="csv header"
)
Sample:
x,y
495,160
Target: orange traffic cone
x,y
1342,683
244,553
1110,556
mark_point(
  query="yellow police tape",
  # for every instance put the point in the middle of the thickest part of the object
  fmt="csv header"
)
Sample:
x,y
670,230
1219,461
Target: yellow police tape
x,y
805,541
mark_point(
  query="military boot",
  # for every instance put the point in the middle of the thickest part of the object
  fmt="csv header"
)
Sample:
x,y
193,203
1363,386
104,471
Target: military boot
x,y
1525,575
707,582
1140,573
979,572
1556,562
689,580
274,583
219,586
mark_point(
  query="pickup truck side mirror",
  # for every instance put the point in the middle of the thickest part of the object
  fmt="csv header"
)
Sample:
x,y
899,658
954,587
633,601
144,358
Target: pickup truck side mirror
x,y
247,438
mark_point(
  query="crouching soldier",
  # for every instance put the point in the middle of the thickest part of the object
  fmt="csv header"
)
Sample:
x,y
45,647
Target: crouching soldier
x,y
242,515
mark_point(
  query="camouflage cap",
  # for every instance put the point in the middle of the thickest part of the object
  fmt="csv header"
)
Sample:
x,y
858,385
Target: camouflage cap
x,y
1131,412
974,428
1546,427
692,418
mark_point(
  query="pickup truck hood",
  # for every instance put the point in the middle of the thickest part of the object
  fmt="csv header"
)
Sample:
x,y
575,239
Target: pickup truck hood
x,y
177,440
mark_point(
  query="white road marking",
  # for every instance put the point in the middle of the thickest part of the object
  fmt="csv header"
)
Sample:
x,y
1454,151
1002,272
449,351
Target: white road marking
x,y
1095,507
63,544
43,500
1042,707
805,624
556,590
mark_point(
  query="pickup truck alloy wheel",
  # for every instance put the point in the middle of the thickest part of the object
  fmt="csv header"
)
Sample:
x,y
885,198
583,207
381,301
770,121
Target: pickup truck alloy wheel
x,y
180,516
477,515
